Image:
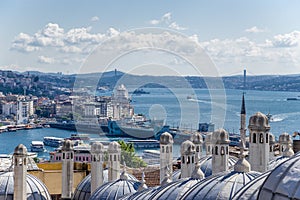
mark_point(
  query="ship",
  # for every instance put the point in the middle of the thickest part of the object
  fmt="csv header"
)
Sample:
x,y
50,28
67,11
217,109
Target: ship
x,y
37,146
140,91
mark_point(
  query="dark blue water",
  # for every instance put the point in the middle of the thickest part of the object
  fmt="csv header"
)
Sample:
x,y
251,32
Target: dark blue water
x,y
177,110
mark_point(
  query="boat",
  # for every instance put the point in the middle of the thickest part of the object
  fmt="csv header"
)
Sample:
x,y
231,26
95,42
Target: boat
x,y
77,136
53,141
145,143
292,99
140,129
140,91
37,146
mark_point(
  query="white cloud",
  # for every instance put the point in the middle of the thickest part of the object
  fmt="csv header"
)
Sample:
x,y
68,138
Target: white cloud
x,y
254,29
154,22
291,39
175,26
95,19
46,60
71,49
166,17
112,32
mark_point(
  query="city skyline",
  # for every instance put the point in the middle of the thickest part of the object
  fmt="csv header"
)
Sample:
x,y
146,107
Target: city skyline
x,y
262,37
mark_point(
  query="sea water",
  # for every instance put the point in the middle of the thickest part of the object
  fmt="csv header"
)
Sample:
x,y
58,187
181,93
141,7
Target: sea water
x,y
174,107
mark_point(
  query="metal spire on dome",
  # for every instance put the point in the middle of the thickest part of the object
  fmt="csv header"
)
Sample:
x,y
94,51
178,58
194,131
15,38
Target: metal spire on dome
x,y
197,173
124,175
142,185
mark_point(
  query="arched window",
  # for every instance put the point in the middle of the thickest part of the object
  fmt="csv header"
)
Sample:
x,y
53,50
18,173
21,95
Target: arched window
x,y
212,149
197,148
167,149
208,149
115,157
254,137
183,161
193,159
63,155
163,149
226,150
216,150
188,160
170,149
222,151
261,138
110,157
267,138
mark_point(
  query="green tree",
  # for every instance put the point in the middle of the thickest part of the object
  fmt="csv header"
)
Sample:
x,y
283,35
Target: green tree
x,y
128,155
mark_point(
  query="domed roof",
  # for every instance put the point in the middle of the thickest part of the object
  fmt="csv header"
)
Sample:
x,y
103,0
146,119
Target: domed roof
x,y
208,138
285,138
197,138
259,121
83,190
67,145
97,147
187,148
206,166
251,189
35,188
144,194
115,189
166,138
283,181
114,147
20,150
174,190
277,161
271,139
220,186
220,136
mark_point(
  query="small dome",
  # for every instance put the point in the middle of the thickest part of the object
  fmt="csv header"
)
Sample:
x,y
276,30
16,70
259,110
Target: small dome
x,y
97,147
114,147
271,139
36,190
285,138
259,121
242,165
67,145
220,136
251,189
187,148
197,138
174,190
115,189
166,138
206,166
283,181
208,138
83,190
220,186
20,150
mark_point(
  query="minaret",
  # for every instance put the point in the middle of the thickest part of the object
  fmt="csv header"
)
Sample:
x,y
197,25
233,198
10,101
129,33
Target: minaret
x,y
208,144
259,142
220,151
20,172
197,139
67,169
166,155
114,159
187,158
242,165
243,126
285,142
97,154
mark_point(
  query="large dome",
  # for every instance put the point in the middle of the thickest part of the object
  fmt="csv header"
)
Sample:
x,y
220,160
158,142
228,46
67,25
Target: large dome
x,y
251,189
206,166
115,189
220,186
83,190
283,181
144,194
36,190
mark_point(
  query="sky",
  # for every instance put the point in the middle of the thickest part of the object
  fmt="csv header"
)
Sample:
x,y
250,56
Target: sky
x,y
184,37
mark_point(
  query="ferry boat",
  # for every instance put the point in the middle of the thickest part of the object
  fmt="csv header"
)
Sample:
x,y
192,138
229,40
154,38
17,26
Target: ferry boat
x,y
37,146
53,141
77,136
145,143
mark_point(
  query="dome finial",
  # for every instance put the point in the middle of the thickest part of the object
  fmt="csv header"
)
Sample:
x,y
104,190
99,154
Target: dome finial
x,y
142,185
197,173
124,175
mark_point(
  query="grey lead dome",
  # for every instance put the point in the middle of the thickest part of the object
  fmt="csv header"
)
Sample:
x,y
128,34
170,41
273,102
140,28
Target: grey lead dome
x,y
166,138
20,150
67,145
259,121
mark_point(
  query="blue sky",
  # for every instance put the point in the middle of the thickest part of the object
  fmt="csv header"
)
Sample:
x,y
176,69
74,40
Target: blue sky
x,y
262,36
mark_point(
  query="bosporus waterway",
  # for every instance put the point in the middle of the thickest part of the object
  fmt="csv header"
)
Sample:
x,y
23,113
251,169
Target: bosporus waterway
x,y
178,110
